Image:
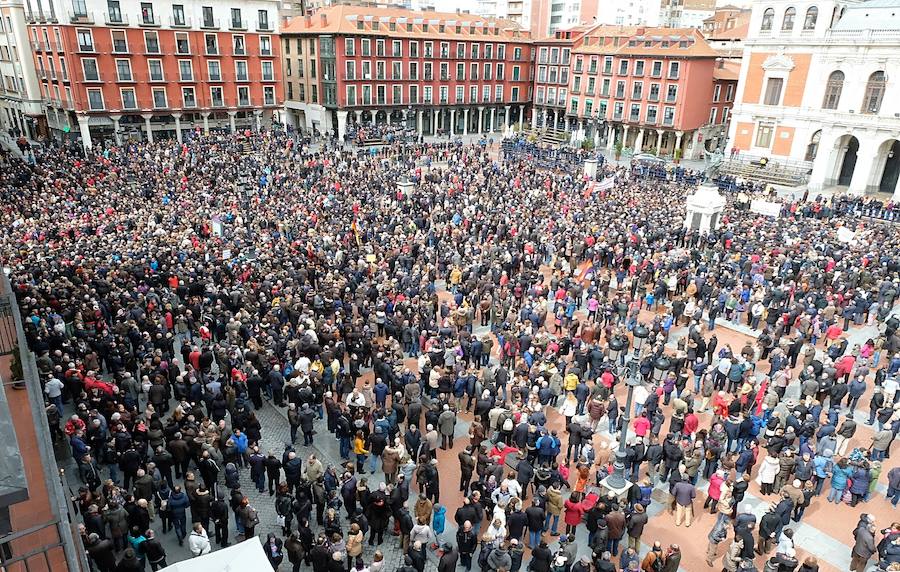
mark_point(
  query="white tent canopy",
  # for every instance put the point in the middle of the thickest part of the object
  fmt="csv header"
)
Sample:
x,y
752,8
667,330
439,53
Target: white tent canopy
x,y
248,555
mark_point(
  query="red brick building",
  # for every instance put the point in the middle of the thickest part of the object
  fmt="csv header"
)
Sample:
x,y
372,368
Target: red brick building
x,y
648,89
437,72
123,69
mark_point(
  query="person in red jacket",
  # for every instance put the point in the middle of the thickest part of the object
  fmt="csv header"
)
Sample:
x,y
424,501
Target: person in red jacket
x,y
574,512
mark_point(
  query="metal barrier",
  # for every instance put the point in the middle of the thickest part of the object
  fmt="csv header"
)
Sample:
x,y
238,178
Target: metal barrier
x,y
8,338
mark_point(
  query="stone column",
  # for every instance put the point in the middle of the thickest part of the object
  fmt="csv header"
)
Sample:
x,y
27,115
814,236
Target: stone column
x,y
896,196
148,126
639,142
231,116
452,122
481,120
610,137
258,114
84,128
522,117
659,134
534,116
206,122
342,124
466,121
678,136
625,129
419,122
862,172
544,117
177,117
493,119
116,132
596,136
590,168
506,121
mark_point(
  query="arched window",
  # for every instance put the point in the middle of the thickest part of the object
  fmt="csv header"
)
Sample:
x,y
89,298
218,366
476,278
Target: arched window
x,y
767,19
813,148
811,16
788,23
833,90
874,92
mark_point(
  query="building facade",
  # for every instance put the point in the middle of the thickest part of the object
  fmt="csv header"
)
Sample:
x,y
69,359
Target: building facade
x,y
128,69
437,72
816,90
21,113
644,89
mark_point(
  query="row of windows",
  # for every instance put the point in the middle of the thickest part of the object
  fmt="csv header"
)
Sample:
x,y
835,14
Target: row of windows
x,y
188,98
789,19
636,91
636,113
378,95
462,49
554,55
155,70
182,45
396,69
178,18
834,87
638,70
872,97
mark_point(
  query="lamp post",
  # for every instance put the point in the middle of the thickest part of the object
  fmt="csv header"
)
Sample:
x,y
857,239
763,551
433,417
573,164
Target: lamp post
x,y
616,482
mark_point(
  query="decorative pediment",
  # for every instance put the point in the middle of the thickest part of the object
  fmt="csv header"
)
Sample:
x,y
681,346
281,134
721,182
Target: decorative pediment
x,y
778,62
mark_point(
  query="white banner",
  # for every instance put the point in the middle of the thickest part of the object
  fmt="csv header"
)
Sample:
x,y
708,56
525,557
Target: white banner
x,y
766,208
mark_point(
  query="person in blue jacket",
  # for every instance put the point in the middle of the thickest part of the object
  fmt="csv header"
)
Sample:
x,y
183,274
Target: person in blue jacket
x,y
839,475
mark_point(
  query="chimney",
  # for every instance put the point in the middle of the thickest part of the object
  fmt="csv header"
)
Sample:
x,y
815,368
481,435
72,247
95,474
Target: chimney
x,y
640,31
308,20
324,17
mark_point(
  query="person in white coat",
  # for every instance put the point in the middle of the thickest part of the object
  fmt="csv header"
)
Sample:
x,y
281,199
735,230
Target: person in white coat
x,y
198,541
767,473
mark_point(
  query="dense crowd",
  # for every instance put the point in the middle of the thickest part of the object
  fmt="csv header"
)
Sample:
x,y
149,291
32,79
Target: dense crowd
x,y
171,291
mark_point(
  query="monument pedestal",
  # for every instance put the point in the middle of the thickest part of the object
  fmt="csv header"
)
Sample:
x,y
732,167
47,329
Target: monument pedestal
x,y
704,209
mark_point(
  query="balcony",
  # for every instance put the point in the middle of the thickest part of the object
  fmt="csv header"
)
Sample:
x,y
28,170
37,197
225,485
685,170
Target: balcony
x,y
670,99
620,95
617,116
86,48
42,74
115,19
81,18
217,103
179,22
668,121
651,119
209,24
653,97
634,118
607,71
149,20
240,25
264,27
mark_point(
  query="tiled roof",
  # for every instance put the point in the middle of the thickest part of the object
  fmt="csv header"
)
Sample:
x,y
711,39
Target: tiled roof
x,y
343,19
641,41
730,70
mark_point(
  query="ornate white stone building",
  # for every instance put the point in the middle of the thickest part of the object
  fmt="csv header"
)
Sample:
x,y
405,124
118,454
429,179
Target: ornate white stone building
x,y
818,88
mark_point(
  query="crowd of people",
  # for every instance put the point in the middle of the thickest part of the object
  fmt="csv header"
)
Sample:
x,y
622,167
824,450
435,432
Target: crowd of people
x,y
172,291
360,133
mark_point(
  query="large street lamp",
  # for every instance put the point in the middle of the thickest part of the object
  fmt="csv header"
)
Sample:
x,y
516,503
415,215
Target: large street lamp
x,y
616,482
